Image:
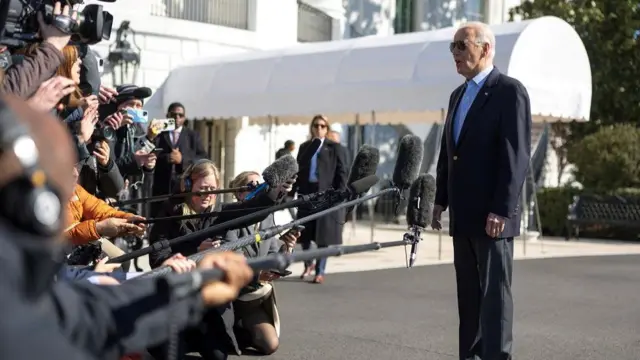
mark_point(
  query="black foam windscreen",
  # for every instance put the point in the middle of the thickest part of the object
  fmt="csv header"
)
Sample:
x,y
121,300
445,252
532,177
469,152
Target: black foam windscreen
x,y
363,185
280,171
409,161
89,71
365,164
422,195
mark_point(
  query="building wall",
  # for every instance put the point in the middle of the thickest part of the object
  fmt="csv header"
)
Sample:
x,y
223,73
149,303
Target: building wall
x,y
166,43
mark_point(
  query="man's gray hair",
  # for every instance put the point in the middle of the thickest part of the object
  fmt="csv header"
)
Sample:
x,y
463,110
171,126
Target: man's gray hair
x,y
483,34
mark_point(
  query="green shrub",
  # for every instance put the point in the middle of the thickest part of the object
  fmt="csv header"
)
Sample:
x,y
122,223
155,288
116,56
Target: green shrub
x,y
608,159
554,207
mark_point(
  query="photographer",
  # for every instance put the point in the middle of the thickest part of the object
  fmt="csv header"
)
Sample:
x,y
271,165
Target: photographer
x,y
24,79
77,320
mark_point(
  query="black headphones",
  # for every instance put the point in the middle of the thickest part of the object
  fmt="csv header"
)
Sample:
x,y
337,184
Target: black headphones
x,y
187,182
28,201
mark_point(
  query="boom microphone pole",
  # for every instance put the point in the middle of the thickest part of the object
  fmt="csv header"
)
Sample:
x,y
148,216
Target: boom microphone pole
x,y
268,233
334,195
193,281
364,165
158,198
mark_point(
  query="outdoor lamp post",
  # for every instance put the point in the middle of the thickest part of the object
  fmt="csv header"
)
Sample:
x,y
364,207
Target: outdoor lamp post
x,y
124,56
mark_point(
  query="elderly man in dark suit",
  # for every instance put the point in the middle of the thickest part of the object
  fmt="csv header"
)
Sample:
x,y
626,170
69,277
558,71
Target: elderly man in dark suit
x,y
483,162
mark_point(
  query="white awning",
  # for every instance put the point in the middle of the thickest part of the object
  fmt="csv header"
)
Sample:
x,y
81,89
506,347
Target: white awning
x,y
402,78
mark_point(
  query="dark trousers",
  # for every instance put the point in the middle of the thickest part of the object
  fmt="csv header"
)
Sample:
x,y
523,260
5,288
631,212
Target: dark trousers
x,y
484,268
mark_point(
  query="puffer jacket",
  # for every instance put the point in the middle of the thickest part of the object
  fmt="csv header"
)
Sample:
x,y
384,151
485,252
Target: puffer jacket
x,y
83,212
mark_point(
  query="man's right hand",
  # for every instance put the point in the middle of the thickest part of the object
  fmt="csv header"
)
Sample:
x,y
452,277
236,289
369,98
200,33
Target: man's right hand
x,y
113,227
437,217
237,275
52,34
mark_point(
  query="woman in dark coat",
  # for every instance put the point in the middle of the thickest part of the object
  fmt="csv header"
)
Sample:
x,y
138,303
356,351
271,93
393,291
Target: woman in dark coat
x,y
214,337
321,169
255,310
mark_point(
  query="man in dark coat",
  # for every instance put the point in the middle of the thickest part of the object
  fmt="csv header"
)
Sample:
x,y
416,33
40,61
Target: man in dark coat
x,y
483,162
288,149
321,168
180,148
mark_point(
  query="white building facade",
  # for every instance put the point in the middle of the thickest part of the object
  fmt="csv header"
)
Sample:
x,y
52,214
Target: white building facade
x,y
169,33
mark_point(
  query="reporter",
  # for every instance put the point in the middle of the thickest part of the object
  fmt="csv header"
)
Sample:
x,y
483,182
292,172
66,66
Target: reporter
x,y
23,79
67,320
90,218
257,323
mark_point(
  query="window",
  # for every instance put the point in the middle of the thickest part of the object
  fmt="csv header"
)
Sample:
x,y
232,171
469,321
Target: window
x,y
404,21
313,24
230,13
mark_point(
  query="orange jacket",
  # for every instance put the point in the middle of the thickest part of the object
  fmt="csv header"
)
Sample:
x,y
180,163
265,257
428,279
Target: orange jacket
x,y
83,211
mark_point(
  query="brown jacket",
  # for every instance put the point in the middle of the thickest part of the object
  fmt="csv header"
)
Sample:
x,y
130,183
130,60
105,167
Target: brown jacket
x,y
83,211
23,79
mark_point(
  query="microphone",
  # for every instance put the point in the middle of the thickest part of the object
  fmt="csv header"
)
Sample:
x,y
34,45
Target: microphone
x,y
422,195
275,175
279,172
408,163
272,231
364,165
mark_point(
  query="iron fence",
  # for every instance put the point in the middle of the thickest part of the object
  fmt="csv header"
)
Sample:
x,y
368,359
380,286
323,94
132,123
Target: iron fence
x,y
229,13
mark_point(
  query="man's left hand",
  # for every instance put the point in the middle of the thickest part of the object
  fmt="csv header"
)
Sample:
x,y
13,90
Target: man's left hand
x,y
495,225
175,157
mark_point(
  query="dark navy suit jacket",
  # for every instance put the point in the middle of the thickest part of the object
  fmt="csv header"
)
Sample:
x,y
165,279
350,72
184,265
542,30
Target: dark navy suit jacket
x,y
485,171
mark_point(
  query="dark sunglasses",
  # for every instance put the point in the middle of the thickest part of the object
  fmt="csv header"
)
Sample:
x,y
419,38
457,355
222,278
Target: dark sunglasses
x,y
319,126
176,115
461,45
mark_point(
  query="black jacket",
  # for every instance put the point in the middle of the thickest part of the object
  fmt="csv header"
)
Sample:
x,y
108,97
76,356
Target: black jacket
x,y
332,170
167,174
43,319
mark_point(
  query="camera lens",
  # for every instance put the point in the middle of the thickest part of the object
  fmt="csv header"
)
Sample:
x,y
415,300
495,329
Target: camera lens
x,y
109,133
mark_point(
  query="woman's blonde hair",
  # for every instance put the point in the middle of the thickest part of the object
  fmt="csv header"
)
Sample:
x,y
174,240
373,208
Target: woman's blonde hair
x,y
198,170
318,117
71,55
241,179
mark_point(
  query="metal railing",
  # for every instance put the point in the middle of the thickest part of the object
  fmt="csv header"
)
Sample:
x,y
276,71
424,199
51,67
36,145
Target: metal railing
x,y
313,24
229,13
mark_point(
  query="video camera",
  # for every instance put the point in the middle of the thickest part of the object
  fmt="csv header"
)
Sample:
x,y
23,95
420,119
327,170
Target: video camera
x,y
19,23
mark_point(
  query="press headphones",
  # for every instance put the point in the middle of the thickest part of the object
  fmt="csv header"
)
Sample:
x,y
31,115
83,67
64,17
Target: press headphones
x,y
186,183
28,201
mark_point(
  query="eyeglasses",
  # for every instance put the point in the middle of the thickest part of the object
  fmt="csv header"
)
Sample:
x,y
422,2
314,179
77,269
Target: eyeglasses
x,y
176,115
319,126
462,45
